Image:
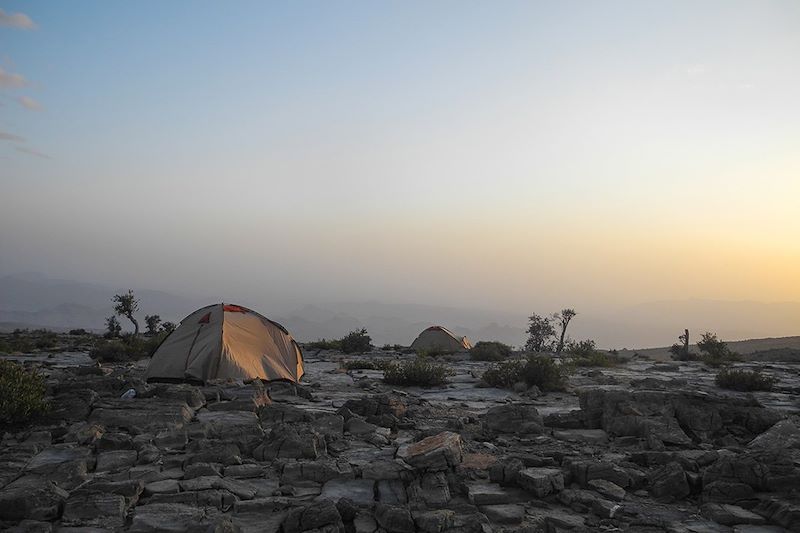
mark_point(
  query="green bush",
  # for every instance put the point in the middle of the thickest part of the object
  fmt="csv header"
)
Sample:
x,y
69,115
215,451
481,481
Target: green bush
x,y
363,364
419,371
490,351
504,375
714,352
584,353
324,344
436,351
22,394
392,347
538,370
744,380
357,341
129,348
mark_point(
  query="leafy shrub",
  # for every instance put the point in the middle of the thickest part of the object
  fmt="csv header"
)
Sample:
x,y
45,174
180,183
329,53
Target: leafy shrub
x,y
363,364
714,352
129,348
357,341
744,380
79,331
504,375
419,371
584,353
392,347
490,351
537,370
22,394
324,344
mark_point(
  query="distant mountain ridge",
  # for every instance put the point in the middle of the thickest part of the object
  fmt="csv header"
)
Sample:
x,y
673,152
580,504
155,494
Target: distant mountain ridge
x,y
33,300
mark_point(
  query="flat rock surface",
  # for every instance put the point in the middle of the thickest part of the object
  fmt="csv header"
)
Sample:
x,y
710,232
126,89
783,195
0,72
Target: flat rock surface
x,y
639,447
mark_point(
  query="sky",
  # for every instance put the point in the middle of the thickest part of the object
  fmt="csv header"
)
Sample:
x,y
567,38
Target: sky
x,y
519,156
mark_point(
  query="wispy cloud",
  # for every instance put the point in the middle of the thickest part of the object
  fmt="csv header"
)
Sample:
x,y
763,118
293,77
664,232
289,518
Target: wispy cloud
x,y
16,20
32,151
5,136
11,80
29,103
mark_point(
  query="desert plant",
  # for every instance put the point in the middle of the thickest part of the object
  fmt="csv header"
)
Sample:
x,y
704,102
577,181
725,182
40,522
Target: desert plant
x,y
563,319
78,332
324,344
167,327
113,327
420,371
127,305
490,351
505,374
744,380
357,341
584,353
537,370
714,352
129,348
152,322
22,394
541,333
363,364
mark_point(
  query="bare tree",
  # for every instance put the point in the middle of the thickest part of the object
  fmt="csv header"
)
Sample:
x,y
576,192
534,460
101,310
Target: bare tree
x,y
127,305
562,319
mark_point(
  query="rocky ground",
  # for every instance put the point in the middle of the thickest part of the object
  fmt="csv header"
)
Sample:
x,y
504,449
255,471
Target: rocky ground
x,y
641,447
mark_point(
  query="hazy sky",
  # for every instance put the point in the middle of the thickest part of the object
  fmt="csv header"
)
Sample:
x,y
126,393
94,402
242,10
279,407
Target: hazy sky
x,y
504,155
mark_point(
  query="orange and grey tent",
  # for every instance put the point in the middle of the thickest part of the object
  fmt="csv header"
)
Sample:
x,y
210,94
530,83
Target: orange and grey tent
x,y
440,338
224,341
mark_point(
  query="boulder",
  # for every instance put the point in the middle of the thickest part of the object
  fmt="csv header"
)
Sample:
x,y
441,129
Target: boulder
x,y
730,515
436,453
31,497
541,481
89,508
669,482
506,514
607,489
156,517
513,418
321,514
394,519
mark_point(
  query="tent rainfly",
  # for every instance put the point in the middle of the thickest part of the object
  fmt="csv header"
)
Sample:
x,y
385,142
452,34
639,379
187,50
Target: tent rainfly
x,y
440,338
224,341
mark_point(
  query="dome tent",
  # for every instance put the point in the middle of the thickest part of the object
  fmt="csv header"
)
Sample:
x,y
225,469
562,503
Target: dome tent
x,y
442,339
225,341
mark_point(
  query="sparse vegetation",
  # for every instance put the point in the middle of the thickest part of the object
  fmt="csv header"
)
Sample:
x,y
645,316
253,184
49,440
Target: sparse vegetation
x,y
541,333
584,353
357,341
152,322
129,348
680,352
113,327
127,305
744,380
563,319
490,351
392,347
324,344
434,352
363,364
537,370
714,352
22,394
168,327
420,371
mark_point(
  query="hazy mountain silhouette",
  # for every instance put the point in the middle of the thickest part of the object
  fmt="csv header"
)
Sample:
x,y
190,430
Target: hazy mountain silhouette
x,y
33,300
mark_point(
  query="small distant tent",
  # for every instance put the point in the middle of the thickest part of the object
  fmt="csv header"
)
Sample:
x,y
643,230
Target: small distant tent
x,y
440,338
225,341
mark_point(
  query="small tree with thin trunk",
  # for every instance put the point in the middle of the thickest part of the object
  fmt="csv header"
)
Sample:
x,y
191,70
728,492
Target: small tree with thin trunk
x,y
562,319
127,305
541,333
113,327
152,322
